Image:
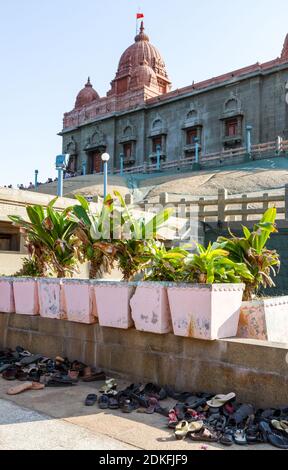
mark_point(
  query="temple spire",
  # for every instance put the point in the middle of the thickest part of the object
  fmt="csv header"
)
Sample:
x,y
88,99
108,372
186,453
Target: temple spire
x,y
142,36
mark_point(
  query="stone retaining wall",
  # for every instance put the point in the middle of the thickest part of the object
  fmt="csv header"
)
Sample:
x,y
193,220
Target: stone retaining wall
x,y
256,371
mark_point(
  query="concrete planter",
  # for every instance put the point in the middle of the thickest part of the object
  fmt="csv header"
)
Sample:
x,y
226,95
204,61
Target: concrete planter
x,y
26,296
207,312
7,304
265,320
51,299
150,308
113,303
79,301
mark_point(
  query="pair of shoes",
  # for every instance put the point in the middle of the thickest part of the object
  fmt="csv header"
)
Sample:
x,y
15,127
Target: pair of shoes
x,y
106,401
184,428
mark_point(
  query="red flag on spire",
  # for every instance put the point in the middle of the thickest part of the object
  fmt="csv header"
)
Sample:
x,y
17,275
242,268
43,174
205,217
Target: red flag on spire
x,y
140,16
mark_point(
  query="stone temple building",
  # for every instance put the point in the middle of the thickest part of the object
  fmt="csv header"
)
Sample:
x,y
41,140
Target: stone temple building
x,y
141,112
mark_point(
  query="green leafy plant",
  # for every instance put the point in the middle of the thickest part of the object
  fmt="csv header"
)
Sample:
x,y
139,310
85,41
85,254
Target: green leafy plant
x,y
211,265
50,239
137,242
166,265
95,232
251,249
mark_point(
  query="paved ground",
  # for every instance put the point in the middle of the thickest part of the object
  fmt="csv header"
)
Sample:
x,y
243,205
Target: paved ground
x,y
58,419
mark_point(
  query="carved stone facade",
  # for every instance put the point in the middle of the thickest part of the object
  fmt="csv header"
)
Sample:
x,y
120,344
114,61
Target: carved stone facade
x,y
141,113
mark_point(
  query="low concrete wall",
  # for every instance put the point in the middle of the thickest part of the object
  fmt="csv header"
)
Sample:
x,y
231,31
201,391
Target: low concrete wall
x,y
256,371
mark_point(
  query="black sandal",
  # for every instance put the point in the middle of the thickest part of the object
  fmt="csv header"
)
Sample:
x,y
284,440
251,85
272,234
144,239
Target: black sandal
x,y
91,399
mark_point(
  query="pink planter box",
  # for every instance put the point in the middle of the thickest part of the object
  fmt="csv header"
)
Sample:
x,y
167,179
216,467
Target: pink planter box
x,y
26,296
6,295
79,301
150,308
113,303
207,312
265,319
51,299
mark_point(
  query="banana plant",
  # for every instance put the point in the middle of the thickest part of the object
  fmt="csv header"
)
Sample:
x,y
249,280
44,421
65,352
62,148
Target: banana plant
x,y
211,265
50,239
251,249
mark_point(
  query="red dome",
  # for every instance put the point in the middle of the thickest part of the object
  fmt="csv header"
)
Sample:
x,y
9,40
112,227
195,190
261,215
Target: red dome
x,y
140,65
143,75
86,96
142,50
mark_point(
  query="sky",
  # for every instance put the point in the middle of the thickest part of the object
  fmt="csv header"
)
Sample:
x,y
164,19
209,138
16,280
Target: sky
x,y
48,49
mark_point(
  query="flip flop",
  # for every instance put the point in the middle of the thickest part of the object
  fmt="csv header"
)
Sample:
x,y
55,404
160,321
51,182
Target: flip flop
x,y
240,437
91,399
220,400
20,388
25,387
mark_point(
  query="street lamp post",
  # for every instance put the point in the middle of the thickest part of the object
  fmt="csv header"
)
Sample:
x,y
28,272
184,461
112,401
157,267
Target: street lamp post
x,y
84,168
196,164
105,159
248,142
36,180
121,164
158,153
60,167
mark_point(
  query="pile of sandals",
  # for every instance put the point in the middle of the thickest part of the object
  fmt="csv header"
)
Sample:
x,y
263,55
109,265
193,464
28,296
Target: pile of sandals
x,y
200,417
224,420
30,368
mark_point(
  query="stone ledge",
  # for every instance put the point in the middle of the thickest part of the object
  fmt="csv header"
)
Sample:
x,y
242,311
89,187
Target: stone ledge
x,y
256,370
